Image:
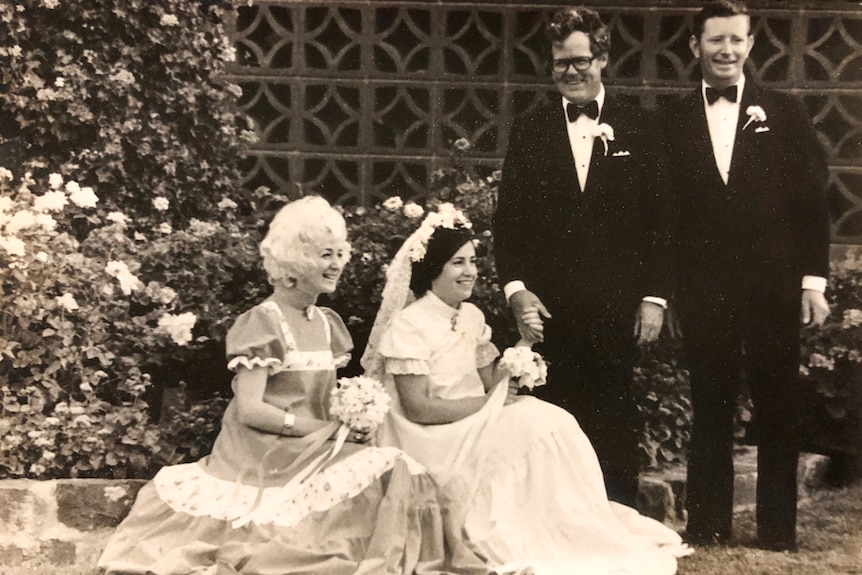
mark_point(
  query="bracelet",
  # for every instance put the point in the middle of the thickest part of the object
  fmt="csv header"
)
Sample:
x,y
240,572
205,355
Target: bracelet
x,y
289,421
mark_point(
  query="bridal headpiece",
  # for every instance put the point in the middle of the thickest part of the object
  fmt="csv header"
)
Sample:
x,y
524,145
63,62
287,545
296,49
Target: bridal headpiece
x,y
396,292
446,216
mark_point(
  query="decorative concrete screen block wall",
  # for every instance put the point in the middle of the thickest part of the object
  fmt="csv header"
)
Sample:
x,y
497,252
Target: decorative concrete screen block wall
x,y
360,100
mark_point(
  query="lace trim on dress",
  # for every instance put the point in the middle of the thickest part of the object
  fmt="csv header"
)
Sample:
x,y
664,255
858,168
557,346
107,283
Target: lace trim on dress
x,y
486,353
407,366
272,364
187,488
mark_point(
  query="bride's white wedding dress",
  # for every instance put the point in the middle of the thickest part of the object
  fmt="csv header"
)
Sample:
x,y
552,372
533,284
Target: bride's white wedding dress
x,y
527,477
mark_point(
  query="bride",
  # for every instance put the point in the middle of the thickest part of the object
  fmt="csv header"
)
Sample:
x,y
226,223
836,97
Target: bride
x,y
525,477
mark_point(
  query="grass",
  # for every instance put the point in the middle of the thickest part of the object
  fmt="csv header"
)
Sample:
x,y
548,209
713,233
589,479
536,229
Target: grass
x,y
830,543
829,537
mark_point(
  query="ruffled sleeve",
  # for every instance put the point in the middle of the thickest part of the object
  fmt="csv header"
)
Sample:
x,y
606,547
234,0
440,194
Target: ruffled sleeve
x,y
405,347
486,351
256,339
341,342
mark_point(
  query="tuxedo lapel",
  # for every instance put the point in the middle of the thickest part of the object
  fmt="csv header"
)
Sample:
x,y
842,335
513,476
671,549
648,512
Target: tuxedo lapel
x,y
560,149
744,134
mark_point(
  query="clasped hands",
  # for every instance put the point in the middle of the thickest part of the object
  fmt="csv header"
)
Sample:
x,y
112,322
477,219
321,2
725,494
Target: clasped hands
x,y
530,313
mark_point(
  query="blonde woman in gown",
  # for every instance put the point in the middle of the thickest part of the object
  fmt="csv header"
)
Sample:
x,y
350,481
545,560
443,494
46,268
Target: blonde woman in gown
x,y
251,506
528,482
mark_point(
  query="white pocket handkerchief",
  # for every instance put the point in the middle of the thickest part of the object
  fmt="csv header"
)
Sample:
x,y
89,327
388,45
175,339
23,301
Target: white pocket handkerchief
x,y
622,153
761,129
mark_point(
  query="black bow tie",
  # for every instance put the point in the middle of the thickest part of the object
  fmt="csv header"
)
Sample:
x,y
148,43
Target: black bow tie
x,y
713,94
591,110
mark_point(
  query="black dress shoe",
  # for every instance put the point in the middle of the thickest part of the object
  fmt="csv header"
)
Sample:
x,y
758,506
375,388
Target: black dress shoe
x,y
777,545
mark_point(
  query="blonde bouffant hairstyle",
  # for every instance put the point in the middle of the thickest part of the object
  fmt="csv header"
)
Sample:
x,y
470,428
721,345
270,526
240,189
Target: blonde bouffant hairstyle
x,y
296,234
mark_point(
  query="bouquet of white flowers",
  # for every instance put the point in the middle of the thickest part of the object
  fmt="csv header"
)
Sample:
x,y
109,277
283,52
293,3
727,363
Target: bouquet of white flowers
x,y
360,402
526,366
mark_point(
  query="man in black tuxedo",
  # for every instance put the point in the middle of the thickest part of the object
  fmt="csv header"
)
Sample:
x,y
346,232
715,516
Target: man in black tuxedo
x,y
578,242
751,236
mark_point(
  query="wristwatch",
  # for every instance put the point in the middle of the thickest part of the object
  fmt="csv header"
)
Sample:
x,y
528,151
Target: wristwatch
x,y
289,421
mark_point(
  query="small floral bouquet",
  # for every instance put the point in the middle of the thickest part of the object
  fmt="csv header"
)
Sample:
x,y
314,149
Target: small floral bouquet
x,y
360,402
526,366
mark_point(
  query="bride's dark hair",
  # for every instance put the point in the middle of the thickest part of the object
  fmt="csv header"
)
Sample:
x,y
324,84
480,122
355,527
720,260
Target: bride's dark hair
x,y
442,245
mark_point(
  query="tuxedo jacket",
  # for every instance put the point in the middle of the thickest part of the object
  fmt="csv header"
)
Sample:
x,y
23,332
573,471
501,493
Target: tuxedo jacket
x,y
769,225
601,248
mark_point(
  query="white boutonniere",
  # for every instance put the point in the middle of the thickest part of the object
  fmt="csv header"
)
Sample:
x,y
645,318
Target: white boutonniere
x,y
606,133
755,114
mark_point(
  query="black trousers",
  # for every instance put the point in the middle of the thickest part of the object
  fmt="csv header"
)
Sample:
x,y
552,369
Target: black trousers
x,y
591,357
756,337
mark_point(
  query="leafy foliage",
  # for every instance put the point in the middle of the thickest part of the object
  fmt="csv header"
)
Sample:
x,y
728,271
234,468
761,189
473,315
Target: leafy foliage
x,y
126,244
831,366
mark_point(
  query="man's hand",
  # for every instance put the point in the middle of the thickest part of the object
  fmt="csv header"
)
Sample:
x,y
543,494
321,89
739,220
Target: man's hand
x,y
815,309
648,321
529,311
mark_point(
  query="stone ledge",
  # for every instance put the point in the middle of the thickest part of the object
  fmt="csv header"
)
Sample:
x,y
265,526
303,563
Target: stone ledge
x,y
66,522
662,494
60,522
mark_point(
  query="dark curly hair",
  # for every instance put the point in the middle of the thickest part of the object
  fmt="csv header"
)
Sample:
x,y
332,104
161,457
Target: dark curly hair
x,y
717,9
569,20
442,245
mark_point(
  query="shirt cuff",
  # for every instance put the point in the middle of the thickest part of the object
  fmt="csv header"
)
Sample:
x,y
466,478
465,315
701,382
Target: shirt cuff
x,y
816,283
656,300
512,288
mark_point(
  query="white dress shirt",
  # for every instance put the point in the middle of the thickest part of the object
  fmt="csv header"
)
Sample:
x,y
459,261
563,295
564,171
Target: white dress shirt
x,y
722,117
582,137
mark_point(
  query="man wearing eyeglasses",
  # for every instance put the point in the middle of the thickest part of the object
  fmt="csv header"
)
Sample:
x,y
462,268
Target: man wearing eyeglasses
x,y
578,241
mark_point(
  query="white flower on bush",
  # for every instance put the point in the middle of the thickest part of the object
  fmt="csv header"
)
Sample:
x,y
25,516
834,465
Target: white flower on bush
x,y
525,366
53,201
46,222
48,455
165,228
12,245
226,204
820,360
852,318
169,20
20,220
41,257
394,203
179,327
123,77
51,4
5,174
6,203
55,181
129,282
84,197
413,210
161,203
118,218
67,302
360,402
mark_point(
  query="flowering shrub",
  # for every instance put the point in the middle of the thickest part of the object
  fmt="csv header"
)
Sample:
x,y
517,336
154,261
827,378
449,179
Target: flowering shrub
x,y
125,248
89,325
832,366
126,96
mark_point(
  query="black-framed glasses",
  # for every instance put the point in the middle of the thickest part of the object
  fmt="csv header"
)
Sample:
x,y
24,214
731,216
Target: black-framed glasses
x,y
579,63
